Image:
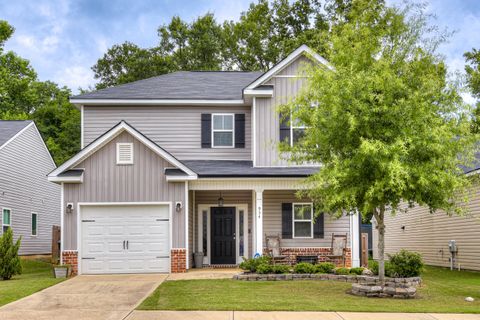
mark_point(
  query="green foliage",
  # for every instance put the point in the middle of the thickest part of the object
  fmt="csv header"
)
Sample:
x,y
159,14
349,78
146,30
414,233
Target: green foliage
x,y
252,263
10,264
406,264
264,268
324,267
472,69
304,267
358,270
280,269
373,266
342,271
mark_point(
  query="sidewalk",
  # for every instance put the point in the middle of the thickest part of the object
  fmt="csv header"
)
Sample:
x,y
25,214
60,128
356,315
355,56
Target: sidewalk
x,y
258,315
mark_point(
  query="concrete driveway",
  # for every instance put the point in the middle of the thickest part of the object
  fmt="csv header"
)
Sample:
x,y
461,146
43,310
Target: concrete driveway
x,y
85,297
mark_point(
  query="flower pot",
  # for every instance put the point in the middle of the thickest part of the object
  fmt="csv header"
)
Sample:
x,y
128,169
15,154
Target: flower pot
x,y
60,272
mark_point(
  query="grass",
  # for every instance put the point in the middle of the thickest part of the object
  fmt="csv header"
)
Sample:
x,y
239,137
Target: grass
x,y
442,291
37,275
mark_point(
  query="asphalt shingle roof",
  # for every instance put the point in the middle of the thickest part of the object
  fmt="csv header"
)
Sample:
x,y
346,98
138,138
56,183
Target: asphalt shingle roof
x,y
9,128
214,85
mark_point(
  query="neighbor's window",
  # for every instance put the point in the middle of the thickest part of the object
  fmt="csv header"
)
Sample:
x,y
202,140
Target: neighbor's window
x,y
222,130
6,219
302,220
34,224
205,231
241,230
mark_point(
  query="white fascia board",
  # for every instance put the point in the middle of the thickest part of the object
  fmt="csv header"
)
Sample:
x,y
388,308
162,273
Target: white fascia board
x,y
168,102
101,141
180,178
258,93
282,64
16,135
78,179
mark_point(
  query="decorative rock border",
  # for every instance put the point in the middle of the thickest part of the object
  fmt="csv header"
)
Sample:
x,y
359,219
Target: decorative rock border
x,y
403,288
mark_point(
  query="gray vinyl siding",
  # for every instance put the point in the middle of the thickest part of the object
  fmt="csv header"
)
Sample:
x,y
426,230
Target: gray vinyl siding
x,y
24,188
429,234
272,221
177,129
267,116
230,197
105,181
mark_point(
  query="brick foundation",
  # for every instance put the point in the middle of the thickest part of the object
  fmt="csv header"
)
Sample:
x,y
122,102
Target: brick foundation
x,y
178,258
322,252
71,257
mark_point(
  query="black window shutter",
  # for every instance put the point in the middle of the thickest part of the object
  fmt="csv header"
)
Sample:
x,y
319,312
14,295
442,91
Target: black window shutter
x,y
206,130
318,229
287,221
284,128
240,130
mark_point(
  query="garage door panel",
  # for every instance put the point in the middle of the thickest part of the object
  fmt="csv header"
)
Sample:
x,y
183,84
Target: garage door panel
x,y
105,228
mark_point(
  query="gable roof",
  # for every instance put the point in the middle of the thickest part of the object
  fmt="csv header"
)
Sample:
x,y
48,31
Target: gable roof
x,y
302,50
10,128
55,175
180,85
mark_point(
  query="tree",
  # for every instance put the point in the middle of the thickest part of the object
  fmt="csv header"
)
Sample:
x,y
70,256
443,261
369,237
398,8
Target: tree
x,y
472,69
384,121
10,264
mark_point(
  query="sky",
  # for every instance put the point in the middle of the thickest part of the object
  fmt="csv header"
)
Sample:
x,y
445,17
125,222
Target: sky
x,y
63,39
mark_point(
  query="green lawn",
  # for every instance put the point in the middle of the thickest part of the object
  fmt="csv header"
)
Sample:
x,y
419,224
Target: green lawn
x,y
442,291
36,276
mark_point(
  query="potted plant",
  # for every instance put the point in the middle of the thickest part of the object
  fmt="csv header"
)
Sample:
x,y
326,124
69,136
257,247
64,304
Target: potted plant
x,y
61,270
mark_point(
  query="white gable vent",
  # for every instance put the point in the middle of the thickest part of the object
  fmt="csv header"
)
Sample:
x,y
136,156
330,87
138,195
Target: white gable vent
x,y
124,153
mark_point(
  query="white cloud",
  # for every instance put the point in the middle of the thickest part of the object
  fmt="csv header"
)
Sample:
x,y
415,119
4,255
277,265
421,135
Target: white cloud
x,y
75,77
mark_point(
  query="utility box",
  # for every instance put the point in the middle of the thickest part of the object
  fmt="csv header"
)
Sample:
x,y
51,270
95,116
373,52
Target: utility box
x,y
452,246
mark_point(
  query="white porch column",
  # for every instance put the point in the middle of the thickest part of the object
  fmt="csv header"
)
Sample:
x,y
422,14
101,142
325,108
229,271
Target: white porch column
x,y
258,221
355,239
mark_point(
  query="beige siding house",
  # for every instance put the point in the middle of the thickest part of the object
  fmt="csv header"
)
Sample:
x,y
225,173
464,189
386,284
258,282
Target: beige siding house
x,y
186,163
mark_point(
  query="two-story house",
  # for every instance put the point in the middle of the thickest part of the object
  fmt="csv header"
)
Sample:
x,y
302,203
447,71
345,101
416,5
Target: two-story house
x,y
188,162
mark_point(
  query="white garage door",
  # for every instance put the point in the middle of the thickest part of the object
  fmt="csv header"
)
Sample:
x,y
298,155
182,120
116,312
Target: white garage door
x,y
125,239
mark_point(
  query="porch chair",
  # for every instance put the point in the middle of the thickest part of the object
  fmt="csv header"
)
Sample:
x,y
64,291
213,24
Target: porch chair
x,y
339,247
273,250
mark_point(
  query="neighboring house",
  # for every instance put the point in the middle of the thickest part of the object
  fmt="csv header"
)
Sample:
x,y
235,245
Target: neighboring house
x,y
187,162
430,233
29,204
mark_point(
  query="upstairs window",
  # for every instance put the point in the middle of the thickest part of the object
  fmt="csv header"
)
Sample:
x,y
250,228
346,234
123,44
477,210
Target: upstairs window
x,y
222,130
6,219
124,153
291,131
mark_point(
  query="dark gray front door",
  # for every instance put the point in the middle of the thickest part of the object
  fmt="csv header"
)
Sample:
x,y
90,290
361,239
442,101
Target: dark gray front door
x,y
223,235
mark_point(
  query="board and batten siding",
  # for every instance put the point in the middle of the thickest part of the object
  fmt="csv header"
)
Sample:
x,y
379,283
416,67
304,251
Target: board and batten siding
x,y
267,119
177,129
24,188
272,221
429,234
105,181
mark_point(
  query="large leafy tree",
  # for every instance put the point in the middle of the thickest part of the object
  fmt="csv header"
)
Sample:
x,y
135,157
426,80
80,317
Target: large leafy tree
x,y
473,80
23,97
383,120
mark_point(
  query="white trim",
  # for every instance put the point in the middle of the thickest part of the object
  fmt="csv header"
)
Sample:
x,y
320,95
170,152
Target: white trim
x,y
282,64
254,131
78,179
36,224
222,130
81,127
179,178
254,225
110,135
354,239
9,216
62,227
258,212
248,184
122,144
79,223
258,93
208,208
186,211
168,102
16,135
302,220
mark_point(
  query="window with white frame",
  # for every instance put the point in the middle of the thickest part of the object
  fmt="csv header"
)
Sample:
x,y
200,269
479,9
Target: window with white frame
x,y
124,153
34,224
223,130
302,220
6,219
297,131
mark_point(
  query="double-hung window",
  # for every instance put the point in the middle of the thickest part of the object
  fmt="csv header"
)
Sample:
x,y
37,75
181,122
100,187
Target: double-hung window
x,y
34,224
302,220
297,131
223,130
6,219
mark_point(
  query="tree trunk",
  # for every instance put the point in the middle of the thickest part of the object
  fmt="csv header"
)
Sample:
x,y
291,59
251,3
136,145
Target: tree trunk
x,y
379,216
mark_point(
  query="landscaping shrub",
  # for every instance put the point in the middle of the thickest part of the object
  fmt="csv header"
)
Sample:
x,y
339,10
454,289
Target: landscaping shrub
x,y
304,267
281,269
406,264
252,264
9,261
358,271
324,267
373,266
342,271
264,268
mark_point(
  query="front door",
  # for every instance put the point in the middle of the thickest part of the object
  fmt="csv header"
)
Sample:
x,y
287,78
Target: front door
x,y
223,235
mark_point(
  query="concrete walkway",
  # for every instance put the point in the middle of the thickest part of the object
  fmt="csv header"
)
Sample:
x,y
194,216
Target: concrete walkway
x,y
109,297
257,315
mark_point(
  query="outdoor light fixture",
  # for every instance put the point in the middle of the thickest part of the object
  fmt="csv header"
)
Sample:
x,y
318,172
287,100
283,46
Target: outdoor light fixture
x,y
69,208
220,200
178,206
